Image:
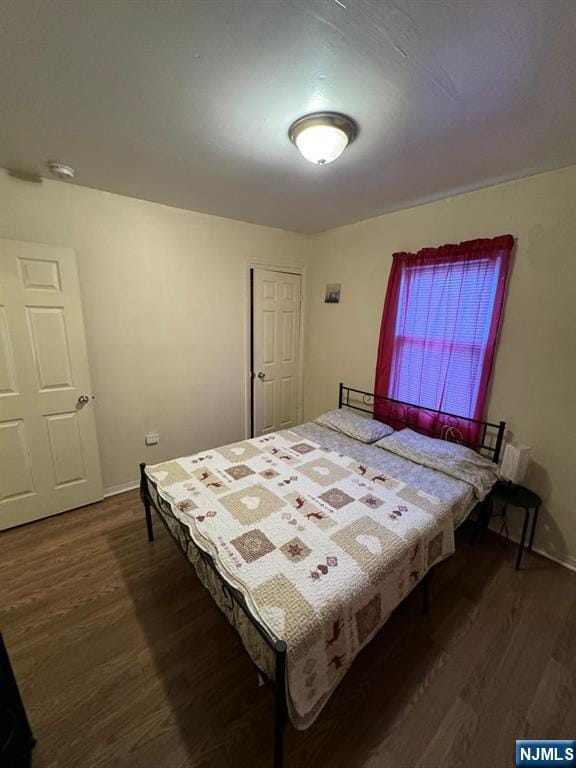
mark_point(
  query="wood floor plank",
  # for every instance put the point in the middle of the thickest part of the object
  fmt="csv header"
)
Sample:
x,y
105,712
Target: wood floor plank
x,y
554,704
123,659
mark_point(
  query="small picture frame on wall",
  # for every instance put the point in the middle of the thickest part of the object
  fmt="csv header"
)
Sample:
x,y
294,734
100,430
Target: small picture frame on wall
x,y
332,295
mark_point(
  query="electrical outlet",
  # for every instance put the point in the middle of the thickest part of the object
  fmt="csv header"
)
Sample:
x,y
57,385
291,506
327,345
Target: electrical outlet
x,y
152,438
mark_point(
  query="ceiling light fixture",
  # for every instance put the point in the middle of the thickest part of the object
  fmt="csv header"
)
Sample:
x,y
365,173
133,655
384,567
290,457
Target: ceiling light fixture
x,y
322,136
61,171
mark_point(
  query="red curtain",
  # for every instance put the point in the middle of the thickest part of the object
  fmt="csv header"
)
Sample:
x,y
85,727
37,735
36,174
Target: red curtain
x,y
438,334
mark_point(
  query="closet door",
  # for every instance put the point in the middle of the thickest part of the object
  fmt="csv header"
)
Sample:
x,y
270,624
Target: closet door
x,y
49,459
275,349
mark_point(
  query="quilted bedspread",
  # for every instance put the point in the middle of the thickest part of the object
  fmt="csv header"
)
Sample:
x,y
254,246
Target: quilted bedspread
x,y
323,547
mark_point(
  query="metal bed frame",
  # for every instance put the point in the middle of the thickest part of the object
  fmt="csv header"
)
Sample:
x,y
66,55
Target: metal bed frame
x,y
449,426
278,647
403,414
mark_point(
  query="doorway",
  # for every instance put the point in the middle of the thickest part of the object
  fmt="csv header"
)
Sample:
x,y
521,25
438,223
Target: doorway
x,y
49,460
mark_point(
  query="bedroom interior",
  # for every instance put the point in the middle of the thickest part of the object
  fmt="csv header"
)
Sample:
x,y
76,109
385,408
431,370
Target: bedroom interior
x,y
291,291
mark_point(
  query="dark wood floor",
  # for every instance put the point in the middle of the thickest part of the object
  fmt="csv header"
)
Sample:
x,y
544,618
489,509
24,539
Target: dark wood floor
x,y
123,659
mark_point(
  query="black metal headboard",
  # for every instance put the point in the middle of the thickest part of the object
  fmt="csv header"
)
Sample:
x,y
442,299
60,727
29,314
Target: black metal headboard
x,y
448,426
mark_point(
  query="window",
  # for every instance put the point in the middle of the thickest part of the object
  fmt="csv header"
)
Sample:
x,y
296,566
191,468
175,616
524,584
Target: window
x,y
440,323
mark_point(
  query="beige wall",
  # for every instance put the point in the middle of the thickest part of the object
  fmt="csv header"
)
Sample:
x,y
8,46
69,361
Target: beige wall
x,y
534,381
164,296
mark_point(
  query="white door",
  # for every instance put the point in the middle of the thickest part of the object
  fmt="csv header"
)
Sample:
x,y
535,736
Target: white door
x,y
49,458
275,350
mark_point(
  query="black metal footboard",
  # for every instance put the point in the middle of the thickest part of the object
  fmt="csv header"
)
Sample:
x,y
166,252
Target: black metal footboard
x,y
278,647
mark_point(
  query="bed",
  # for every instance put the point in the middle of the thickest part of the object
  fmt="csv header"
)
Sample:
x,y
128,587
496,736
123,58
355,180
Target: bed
x,y
307,539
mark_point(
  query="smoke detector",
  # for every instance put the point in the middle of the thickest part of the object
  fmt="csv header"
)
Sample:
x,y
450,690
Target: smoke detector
x,y
61,171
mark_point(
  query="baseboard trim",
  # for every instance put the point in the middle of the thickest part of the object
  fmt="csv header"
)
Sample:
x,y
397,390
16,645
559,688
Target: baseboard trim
x,y
116,489
568,561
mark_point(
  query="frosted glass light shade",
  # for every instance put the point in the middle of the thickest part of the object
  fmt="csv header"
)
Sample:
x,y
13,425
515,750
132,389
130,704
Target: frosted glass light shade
x,y
323,136
321,144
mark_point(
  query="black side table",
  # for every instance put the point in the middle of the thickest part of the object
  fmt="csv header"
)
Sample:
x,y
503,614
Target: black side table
x,y
519,496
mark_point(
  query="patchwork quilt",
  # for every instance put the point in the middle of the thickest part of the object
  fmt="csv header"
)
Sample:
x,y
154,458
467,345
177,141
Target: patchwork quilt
x,y
323,547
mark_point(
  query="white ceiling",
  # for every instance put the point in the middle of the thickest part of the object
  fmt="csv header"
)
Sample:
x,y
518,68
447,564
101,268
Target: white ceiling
x,y
188,102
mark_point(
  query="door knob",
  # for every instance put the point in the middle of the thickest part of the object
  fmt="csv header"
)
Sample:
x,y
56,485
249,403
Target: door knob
x,y
261,376
83,399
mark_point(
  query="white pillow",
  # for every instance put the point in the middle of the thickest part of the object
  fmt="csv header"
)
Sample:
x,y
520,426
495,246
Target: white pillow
x,y
359,427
